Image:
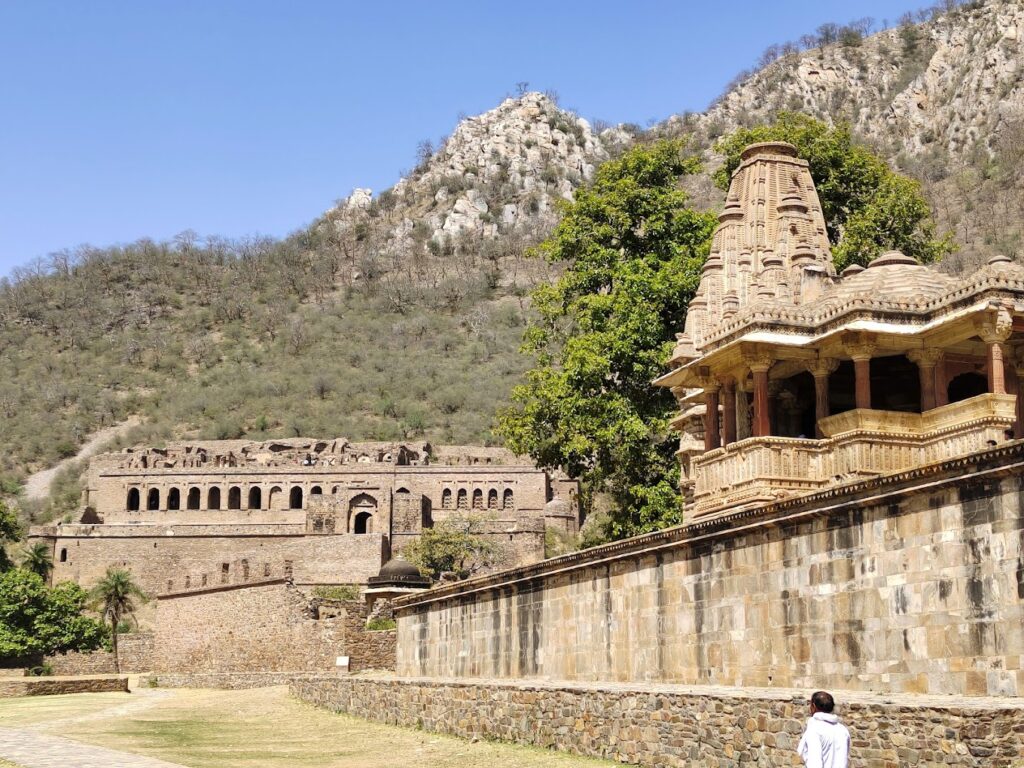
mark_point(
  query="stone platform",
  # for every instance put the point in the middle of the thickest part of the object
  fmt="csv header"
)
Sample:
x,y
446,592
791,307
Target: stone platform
x,y
676,725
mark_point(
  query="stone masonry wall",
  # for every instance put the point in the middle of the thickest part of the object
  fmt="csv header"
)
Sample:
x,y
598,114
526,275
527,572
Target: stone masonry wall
x,y
676,726
154,557
913,583
254,627
135,650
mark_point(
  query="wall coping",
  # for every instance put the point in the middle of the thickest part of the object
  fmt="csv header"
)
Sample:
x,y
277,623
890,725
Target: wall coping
x,y
844,699
997,462
209,589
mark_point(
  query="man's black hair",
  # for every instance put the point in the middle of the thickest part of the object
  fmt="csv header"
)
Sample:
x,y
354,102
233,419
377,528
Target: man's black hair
x,y
823,701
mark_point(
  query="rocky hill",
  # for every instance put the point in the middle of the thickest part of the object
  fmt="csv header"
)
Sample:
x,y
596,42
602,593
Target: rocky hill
x,y
399,315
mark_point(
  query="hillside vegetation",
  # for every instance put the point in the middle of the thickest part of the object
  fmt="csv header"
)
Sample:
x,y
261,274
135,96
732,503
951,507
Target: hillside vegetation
x,y
400,315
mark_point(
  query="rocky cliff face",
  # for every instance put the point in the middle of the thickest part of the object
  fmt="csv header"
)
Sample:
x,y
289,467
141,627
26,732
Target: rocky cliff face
x,y
947,84
498,173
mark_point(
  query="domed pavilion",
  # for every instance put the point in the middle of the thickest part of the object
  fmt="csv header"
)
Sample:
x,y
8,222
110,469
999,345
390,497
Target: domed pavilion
x,y
791,378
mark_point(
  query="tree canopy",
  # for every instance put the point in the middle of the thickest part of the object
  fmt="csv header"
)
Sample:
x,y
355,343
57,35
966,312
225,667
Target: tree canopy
x,y
453,546
634,249
36,620
868,207
10,531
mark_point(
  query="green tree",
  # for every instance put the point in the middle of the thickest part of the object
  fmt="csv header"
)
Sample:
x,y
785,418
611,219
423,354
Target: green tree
x,y
116,596
36,620
634,250
454,546
10,532
38,559
868,207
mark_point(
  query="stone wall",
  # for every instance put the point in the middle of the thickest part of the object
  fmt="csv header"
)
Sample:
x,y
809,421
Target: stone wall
x,y
911,583
677,726
155,554
253,627
55,686
134,649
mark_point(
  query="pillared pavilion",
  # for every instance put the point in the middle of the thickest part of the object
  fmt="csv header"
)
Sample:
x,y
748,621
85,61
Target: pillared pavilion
x,y
791,378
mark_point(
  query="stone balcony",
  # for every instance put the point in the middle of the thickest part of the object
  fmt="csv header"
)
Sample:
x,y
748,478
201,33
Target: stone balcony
x,y
858,443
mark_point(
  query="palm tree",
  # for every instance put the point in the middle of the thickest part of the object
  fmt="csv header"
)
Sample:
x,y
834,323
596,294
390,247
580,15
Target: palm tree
x,y
38,559
114,596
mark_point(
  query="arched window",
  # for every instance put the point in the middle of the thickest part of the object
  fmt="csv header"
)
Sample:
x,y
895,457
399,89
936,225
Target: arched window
x,y
255,497
363,523
63,554
966,385
153,499
492,499
276,498
213,498
234,497
295,498
463,499
446,498
133,499
174,499
507,501
316,490
478,499
402,492
193,498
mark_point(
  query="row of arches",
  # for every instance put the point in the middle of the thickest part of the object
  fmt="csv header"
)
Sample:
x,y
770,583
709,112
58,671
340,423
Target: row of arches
x,y
217,499
493,500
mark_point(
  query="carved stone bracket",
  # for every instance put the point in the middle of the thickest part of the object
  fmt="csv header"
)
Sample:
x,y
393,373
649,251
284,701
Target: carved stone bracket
x,y
996,327
822,366
925,358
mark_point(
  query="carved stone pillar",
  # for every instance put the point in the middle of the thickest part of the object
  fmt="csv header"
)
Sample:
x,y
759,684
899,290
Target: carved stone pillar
x,y
821,369
711,436
926,360
941,383
994,330
728,411
759,364
1018,367
860,351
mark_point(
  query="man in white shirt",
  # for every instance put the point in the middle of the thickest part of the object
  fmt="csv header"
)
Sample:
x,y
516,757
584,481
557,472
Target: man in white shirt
x,y
826,742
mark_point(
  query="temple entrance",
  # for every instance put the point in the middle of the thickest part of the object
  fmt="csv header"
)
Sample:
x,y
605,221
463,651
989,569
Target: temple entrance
x,y
793,414
967,385
895,385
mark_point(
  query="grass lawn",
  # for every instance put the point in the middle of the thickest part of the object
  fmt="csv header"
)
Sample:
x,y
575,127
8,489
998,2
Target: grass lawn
x,y
261,728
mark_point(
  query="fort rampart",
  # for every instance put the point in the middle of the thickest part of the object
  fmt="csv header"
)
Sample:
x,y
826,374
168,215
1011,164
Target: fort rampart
x,y
912,583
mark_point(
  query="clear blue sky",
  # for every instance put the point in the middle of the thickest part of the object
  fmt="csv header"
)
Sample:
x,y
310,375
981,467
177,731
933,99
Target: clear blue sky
x,y
231,117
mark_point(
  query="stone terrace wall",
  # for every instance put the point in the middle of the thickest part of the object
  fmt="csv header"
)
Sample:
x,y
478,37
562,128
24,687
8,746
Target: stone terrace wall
x,y
676,726
54,686
135,650
911,583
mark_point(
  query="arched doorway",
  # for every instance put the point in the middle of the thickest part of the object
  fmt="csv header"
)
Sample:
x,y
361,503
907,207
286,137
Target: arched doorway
x,y
295,498
193,498
234,497
361,511
153,499
213,498
966,385
276,498
174,499
133,499
255,497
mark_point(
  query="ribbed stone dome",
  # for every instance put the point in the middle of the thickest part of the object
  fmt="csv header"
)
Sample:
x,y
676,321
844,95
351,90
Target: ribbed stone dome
x,y
399,571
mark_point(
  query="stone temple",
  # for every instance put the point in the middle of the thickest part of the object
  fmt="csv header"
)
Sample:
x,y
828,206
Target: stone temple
x,y
792,379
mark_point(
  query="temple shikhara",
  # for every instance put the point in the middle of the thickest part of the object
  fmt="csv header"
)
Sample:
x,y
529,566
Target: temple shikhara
x,y
792,378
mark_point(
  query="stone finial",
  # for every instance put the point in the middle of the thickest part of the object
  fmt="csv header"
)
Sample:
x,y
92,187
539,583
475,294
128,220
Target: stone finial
x,y
853,269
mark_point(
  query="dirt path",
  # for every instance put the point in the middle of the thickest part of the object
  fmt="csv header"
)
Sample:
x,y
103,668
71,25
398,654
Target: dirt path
x,y
38,484
36,750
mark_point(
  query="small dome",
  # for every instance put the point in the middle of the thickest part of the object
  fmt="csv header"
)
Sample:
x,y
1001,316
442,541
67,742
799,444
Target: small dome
x,y
398,566
1000,259
783,148
399,572
557,506
892,258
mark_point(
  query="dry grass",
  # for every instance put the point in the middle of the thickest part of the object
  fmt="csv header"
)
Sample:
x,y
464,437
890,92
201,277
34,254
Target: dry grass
x,y
261,728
